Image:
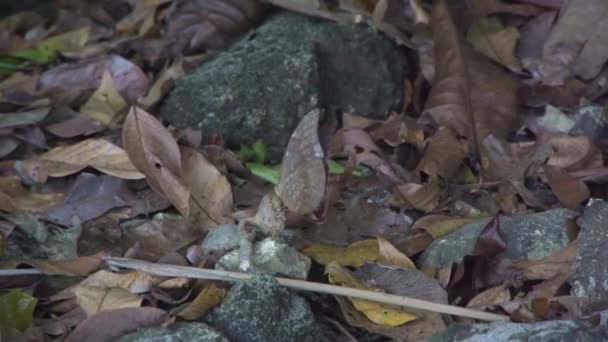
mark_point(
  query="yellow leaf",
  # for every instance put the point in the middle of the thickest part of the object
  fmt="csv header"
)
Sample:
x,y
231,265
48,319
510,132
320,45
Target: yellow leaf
x,y
105,102
378,313
209,297
355,255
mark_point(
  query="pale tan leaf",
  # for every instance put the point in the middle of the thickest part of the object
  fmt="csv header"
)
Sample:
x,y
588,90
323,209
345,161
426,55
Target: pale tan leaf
x,y
163,84
389,255
97,153
105,102
443,156
491,297
208,298
211,201
94,299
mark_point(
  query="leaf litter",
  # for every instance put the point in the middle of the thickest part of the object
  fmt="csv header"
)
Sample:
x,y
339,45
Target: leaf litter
x,y
85,164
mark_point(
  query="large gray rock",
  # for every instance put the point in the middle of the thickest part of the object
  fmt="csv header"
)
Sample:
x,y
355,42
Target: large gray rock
x,y
550,331
528,237
263,86
261,310
591,268
178,332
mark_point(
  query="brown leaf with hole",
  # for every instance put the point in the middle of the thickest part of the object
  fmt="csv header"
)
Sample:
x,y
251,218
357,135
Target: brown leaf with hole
x,y
211,200
304,171
110,325
570,191
470,94
154,152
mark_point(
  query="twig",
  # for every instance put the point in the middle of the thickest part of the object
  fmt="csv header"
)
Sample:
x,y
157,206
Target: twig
x,y
20,272
390,299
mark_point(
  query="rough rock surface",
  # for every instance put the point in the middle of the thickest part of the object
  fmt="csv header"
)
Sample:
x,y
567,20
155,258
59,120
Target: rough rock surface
x,y
591,270
261,310
178,332
528,237
262,86
549,331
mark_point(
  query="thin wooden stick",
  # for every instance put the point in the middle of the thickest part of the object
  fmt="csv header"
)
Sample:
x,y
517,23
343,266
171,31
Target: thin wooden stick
x,y
390,299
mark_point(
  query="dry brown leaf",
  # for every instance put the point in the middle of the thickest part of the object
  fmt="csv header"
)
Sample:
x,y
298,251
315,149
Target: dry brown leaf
x,y
154,152
97,153
443,156
572,153
570,191
470,95
211,200
208,298
134,281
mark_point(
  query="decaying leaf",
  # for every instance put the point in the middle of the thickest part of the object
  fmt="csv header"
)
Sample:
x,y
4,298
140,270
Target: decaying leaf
x,y
211,195
304,171
470,95
209,297
154,152
378,313
492,39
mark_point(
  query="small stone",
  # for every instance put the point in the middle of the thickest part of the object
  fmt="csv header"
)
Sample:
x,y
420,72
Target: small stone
x,y
272,257
260,310
528,237
592,122
178,332
221,239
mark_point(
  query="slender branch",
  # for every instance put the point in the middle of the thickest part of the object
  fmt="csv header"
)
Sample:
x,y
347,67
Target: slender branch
x,y
390,299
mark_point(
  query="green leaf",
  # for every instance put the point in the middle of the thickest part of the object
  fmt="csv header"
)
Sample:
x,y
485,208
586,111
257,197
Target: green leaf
x,y
46,51
256,153
268,173
17,310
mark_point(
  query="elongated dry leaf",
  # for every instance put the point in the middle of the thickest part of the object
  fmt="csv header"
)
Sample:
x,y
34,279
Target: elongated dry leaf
x,y
470,94
155,153
303,172
211,200
389,255
163,84
443,156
